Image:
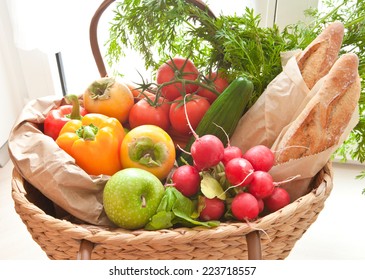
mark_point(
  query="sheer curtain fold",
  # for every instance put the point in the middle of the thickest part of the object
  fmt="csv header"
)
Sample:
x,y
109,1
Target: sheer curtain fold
x,y
43,28
12,86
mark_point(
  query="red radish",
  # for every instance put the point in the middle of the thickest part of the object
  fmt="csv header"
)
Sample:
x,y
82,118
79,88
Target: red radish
x,y
239,172
207,151
212,208
186,179
231,152
262,184
261,157
277,200
261,205
245,207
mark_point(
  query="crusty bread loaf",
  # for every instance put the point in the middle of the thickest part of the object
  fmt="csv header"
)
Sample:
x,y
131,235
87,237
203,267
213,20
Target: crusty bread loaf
x,y
314,62
317,58
321,123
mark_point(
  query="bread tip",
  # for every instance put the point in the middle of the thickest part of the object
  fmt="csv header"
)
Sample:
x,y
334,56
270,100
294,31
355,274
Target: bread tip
x,y
351,57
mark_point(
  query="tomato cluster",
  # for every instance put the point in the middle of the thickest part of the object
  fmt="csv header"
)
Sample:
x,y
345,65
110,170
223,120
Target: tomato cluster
x,y
181,91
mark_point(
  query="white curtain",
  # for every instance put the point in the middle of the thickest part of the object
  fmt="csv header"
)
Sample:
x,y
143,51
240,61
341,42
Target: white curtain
x,y
12,85
43,28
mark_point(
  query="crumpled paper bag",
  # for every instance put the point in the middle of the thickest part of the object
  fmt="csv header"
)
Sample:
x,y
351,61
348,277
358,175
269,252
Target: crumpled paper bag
x,y
274,109
281,102
307,167
52,171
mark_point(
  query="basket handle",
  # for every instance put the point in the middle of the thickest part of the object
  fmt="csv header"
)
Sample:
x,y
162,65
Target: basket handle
x,y
94,27
252,238
85,250
254,245
93,33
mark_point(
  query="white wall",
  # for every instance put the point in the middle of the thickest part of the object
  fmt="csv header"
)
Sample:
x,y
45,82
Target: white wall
x,y
289,11
12,87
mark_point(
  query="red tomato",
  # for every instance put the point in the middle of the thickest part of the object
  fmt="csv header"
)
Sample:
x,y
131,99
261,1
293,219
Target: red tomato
x,y
150,112
218,82
196,107
177,68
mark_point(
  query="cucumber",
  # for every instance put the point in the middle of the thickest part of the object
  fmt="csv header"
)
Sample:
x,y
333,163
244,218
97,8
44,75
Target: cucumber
x,y
224,113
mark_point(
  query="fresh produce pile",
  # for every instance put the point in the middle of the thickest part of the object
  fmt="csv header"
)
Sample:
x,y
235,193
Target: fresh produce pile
x,y
156,181
212,143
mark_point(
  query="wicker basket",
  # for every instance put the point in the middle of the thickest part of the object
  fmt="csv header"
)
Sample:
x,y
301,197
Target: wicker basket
x,y
270,237
277,234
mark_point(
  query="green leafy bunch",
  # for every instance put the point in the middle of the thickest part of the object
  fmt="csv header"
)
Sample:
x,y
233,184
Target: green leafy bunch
x,y
235,44
159,29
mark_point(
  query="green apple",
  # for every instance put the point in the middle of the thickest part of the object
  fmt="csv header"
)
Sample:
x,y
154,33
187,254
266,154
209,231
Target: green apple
x,y
131,197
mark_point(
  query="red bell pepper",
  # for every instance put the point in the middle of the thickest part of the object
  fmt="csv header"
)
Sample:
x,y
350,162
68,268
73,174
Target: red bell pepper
x,y
57,118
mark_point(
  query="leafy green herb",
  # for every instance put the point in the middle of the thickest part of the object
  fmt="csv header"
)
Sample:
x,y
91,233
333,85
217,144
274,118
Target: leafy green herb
x,y
237,45
176,209
159,29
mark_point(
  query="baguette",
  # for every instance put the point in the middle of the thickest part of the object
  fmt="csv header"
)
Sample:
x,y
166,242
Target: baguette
x,y
317,58
323,120
289,87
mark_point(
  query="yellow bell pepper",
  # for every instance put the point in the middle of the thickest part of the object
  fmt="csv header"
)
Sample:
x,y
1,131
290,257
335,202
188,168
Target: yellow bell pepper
x,y
94,142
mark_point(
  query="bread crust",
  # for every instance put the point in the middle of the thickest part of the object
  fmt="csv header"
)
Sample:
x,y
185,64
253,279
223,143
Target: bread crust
x,y
321,123
318,57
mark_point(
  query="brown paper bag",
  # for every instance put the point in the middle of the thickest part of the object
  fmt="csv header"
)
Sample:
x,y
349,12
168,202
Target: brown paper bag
x,y
51,170
267,120
307,167
274,109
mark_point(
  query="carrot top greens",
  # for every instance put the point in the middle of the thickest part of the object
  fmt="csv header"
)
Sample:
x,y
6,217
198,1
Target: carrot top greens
x,y
235,44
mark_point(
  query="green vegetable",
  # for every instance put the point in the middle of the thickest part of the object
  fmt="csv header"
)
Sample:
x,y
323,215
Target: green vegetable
x,y
223,115
176,209
211,188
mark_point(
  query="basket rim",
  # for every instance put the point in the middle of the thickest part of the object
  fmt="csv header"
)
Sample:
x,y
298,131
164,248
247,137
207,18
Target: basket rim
x,y
99,234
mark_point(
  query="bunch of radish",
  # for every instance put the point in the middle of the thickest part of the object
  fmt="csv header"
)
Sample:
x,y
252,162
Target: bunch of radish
x,y
247,173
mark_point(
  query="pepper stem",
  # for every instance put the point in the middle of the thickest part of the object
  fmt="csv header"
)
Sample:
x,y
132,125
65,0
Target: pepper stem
x,y
87,132
74,101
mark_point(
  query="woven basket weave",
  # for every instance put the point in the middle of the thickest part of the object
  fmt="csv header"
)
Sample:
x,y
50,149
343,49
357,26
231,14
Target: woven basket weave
x,y
270,237
277,232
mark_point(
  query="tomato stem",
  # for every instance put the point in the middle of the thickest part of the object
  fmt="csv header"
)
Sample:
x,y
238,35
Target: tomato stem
x,y
190,82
